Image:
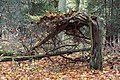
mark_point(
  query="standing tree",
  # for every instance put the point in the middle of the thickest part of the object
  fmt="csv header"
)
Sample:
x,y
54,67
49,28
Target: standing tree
x,y
96,31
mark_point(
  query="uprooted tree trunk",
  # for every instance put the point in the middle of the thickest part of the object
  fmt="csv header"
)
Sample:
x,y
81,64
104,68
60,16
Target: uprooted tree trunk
x,y
96,54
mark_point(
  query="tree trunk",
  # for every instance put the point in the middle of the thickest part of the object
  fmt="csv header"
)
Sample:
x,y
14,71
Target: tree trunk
x,y
40,56
97,37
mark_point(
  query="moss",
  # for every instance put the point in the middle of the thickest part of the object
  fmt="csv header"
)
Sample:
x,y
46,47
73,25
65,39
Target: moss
x,y
6,52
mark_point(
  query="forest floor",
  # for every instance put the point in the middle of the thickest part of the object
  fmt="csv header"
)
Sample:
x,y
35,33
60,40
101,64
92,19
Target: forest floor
x,y
57,69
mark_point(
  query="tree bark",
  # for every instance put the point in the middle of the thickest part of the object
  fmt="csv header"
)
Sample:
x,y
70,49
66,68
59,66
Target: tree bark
x,y
96,54
23,58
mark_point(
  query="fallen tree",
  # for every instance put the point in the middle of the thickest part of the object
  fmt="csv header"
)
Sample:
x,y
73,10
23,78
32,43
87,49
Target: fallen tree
x,y
71,24
40,56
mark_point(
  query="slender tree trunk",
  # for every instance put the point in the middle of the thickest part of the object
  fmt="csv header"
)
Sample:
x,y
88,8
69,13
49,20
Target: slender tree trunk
x,y
62,9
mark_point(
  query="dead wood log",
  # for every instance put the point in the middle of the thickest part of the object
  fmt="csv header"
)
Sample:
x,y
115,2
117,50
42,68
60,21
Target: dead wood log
x,y
40,56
